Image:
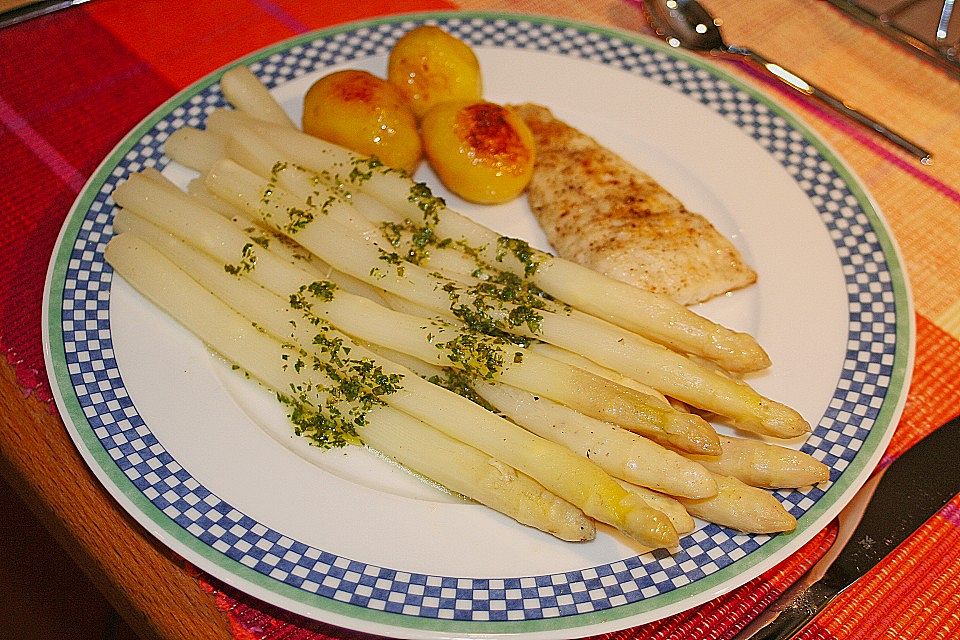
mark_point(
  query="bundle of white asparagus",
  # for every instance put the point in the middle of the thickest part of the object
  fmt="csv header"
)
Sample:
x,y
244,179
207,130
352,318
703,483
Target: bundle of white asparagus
x,y
380,317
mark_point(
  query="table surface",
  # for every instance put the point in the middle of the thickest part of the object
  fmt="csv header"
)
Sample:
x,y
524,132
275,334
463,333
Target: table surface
x,y
162,597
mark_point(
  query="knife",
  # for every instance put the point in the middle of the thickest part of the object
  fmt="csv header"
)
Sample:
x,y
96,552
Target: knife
x,y
892,504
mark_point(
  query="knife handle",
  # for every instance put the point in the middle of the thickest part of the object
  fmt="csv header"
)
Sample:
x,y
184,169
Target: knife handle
x,y
800,605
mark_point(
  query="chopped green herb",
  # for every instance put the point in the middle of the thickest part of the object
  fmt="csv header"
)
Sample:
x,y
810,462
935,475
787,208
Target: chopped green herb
x,y
429,204
248,260
394,259
356,385
363,169
461,383
261,240
322,290
298,220
480,355
521,250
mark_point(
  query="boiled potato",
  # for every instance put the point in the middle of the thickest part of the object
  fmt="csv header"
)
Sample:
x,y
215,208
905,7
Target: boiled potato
x,y
482,151
430,66
366,114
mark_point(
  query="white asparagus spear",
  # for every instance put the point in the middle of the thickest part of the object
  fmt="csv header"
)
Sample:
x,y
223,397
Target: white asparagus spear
x,y
669,506
741,507
582,483
620,453
652,315
412,334
194,148
279,245
395,433
763,464
245,91
665,504
631,355
198,191
577,360
471,473
260,156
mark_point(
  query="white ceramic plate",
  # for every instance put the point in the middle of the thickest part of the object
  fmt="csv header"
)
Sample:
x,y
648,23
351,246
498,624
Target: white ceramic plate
x,y
184,445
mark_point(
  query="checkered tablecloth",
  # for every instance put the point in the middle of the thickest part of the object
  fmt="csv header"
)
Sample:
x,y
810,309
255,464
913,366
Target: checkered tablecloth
x,y
73,83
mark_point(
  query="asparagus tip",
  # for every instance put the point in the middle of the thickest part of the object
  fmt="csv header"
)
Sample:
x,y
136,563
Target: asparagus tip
x,y
690,433
646,525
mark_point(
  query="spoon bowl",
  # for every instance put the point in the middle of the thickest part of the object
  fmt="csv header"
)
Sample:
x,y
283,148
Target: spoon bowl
x,y
685,23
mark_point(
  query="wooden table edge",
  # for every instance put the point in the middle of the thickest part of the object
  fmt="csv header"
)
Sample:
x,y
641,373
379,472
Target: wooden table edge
x,y
145,582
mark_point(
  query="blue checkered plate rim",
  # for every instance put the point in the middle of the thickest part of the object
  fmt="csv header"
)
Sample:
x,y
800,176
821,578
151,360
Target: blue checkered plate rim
x,y
851,428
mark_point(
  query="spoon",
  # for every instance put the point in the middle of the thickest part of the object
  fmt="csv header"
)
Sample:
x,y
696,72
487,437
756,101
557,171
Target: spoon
x,y
685,23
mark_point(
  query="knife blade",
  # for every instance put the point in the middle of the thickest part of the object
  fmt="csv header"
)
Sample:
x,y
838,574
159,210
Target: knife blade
x,y
892,504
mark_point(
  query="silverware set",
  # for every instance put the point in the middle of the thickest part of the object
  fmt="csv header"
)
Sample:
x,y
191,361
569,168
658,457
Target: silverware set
x,y
687,24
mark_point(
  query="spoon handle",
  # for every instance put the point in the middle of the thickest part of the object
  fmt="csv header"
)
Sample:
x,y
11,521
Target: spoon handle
x,y
796,82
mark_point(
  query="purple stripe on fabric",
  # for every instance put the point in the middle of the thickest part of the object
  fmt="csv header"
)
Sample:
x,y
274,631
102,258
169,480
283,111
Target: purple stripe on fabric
x,y
40,147
88,91
280,15
854,131
951,513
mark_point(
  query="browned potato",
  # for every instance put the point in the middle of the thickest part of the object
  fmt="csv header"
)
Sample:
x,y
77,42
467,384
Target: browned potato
x,y
481,151
366,114
430,66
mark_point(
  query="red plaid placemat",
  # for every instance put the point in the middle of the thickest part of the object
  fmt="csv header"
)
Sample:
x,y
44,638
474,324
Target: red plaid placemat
x,y
73,83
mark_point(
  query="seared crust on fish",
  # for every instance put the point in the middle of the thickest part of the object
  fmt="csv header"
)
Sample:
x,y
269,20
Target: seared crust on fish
x,y
600,211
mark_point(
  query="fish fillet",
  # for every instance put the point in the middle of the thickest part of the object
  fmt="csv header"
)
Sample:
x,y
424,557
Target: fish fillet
x,y
600,211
